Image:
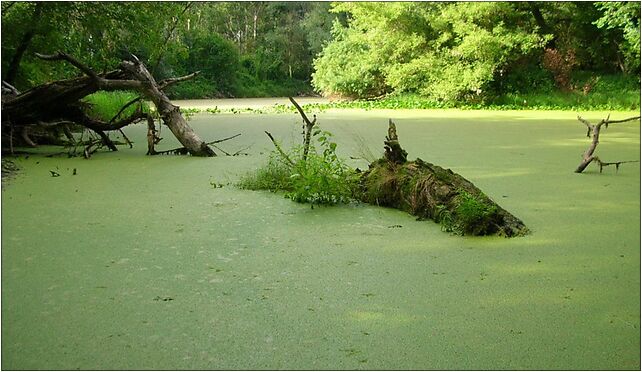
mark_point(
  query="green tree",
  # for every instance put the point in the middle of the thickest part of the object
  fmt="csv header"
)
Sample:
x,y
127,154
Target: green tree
x,y
216,58
623,16
446,51
99,34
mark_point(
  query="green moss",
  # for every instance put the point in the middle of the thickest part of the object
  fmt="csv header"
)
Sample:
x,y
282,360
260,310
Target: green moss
x,y
91,276
472,213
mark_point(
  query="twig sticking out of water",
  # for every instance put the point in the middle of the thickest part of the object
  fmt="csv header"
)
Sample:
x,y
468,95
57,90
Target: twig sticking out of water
x,y
183,150
593,132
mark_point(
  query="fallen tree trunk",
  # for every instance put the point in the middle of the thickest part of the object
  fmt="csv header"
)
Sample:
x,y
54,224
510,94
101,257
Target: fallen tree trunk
x,y
432,192
60,101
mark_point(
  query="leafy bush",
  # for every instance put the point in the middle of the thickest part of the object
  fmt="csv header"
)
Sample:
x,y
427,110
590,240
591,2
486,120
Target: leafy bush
x,y
323,178
348,67
218,61
445,52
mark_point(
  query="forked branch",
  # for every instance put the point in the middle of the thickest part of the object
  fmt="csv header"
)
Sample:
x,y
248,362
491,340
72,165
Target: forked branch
x,y
171,81
593,132
308,125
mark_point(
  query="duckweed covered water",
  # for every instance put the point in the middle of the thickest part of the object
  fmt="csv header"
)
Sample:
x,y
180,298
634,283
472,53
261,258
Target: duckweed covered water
x,y
138,262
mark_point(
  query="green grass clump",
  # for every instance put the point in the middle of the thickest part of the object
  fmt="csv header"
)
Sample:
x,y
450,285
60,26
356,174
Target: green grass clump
x,y
105,105
322,178
273,176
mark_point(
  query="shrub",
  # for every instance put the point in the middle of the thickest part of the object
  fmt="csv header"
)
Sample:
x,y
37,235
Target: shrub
x,y
323,178
273,176
348,67
216,58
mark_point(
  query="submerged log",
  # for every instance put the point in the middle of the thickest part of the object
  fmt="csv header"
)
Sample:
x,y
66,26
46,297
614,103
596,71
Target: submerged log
x,y
429,191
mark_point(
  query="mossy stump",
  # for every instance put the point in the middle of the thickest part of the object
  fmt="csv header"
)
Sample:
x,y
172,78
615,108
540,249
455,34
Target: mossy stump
x,y
429,191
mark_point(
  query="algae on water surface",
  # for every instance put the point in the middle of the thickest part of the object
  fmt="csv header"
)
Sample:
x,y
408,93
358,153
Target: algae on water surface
x,y
139,263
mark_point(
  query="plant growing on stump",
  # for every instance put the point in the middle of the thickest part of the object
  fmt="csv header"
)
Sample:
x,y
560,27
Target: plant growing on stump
x,y
417,187
431,192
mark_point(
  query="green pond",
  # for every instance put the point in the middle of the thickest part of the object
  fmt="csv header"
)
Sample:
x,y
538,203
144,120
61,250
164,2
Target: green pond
x,y
138,262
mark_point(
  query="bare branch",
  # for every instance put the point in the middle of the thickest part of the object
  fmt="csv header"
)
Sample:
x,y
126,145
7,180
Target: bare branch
x,y
99,125
586,122
60,56
221,150
622,121
594,133
9,89
616,163
104,84
127,140
137,99
224,139
171,81
303,115
243,149
308,128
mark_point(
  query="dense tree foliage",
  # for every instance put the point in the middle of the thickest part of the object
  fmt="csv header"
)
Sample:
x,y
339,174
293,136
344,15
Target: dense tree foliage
x,y
470,51
447,52
242,48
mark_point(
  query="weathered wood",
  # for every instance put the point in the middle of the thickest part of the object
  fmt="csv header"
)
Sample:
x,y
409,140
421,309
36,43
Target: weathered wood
x,y
394,152
593,132
428,191
60,100
169,113
307,128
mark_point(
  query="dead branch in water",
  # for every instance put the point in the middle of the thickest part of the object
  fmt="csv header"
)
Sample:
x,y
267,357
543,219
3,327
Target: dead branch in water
x,y
183,150
307,127
593,132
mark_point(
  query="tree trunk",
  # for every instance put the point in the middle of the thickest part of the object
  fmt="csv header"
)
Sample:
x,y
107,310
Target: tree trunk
x,y
14,65
170,113
431,192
